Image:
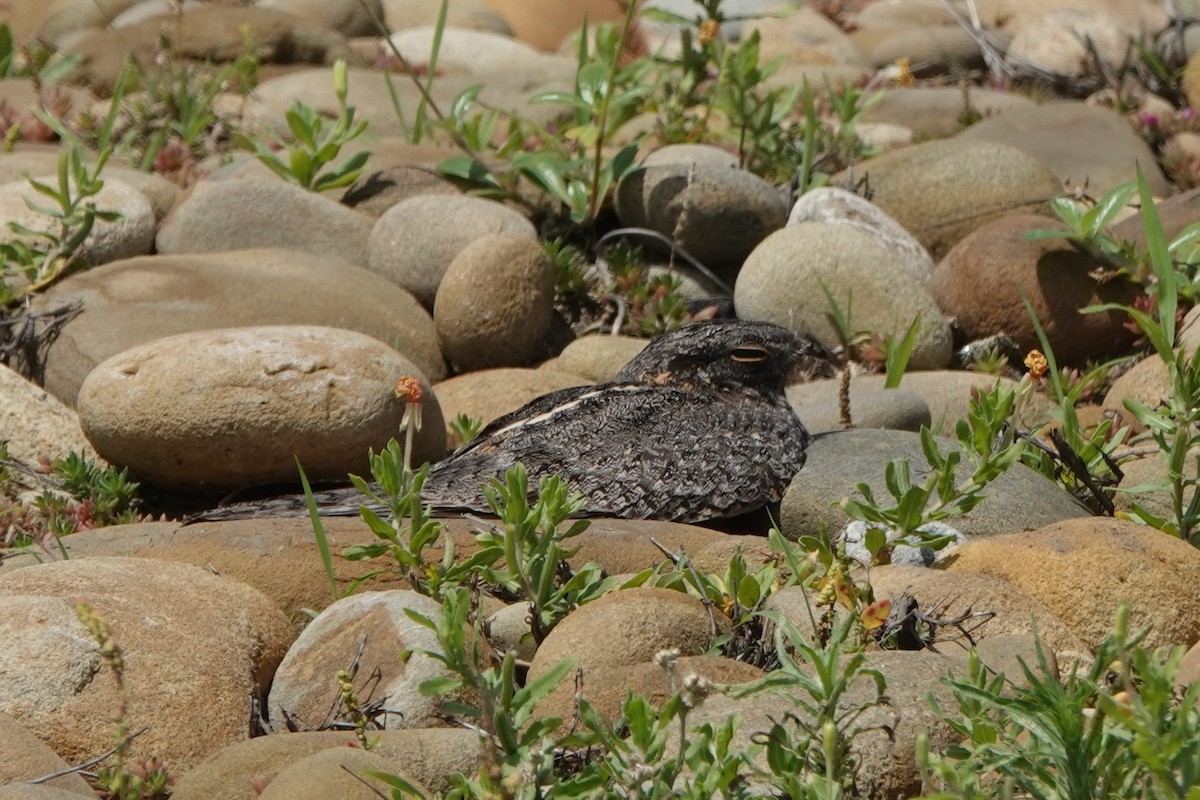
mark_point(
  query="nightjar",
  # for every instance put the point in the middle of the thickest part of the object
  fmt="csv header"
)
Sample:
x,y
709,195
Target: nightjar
x,y
695,427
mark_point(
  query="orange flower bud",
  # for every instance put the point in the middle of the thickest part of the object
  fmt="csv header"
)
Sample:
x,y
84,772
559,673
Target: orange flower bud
x,y
409,390
1036,363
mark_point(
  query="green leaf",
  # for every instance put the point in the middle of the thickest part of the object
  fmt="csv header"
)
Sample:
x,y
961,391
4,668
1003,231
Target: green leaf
x,y
1105,211
467,168
898,354
439,686
562,99
541,687
874,540
592,85
405,788
1039,234
465,100
546,171
1166,289
301,164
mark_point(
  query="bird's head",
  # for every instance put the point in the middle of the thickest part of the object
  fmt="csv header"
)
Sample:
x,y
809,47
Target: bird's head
x,y
725,355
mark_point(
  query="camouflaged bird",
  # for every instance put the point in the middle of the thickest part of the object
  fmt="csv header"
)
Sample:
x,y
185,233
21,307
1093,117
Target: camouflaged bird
x,y
695,427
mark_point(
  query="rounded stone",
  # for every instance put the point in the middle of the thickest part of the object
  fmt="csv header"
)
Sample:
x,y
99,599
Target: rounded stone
x,y
1018,500
240,405
935,112
414,241
885,746
347,17
840,207
508,629
599,357
204,33
700,154
24,757
1148,381
487,394
898,409
546,23
942,190
206,641
716,213
304,687
983,282
628,545
785,279
263,212
946,394
629,627
132,234
482,54
1084,144
339,772
1082,568
956,593
1055,42
430,755
37,424
606,689
278,556
128,303
495,304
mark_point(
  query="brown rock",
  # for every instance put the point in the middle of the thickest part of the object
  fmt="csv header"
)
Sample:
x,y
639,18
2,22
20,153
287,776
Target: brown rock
x,y
606,688
546,23
1189,668
375,193
495,304
490,393
1146,382
305,688
241,405
34,423
127,303
277,556
414,241
886,747
629,627
1082,568
955,593
337,772
430,755
599,358
982,281
945,189
624,545
1084,144
196,646
205,33
219,215
24,757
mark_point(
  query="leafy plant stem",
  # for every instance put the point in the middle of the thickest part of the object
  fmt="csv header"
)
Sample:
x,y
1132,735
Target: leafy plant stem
x,y
602,123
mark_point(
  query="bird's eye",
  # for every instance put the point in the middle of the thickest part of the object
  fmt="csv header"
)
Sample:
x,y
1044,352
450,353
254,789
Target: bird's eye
x,y
750,354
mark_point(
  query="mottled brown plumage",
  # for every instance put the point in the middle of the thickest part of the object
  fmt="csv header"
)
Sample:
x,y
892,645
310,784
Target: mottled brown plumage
x,y
696,427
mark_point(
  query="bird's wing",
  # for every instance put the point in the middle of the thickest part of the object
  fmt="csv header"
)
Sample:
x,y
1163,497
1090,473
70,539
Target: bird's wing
x,y
636,451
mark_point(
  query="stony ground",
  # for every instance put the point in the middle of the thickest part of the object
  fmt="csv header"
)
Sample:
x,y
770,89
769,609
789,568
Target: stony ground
x,y
234,322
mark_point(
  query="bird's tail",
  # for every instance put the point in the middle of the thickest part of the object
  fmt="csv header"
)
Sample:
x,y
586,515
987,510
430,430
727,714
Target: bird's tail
x,y
343,502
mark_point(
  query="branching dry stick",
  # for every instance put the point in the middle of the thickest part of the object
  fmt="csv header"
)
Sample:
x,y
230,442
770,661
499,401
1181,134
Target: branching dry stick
x,y
91,762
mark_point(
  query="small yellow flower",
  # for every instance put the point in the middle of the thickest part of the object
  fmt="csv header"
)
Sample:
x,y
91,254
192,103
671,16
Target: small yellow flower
x,y
709,29
1036,363
904,76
